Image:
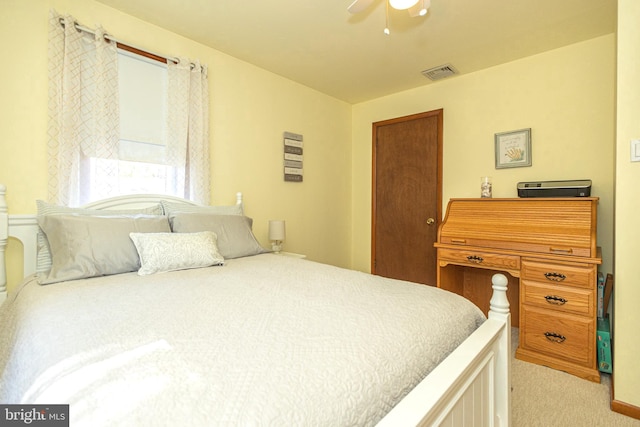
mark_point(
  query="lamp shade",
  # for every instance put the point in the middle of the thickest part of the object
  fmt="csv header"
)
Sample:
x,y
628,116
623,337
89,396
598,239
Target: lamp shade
x,y
276,230
402,4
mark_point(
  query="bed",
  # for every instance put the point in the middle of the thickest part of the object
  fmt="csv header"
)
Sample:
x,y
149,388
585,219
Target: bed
x,y
193,320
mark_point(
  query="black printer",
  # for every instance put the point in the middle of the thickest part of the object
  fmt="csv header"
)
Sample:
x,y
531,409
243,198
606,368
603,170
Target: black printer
x,y
575,188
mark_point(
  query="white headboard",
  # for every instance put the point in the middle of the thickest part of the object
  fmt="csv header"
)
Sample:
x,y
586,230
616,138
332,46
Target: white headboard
x,y
25,227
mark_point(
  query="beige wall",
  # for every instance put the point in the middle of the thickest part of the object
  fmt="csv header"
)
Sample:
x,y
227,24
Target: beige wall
x,y
627,207
250,110
566,97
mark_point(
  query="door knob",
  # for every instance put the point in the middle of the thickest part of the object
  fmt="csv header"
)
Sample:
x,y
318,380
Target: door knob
x,y
430,221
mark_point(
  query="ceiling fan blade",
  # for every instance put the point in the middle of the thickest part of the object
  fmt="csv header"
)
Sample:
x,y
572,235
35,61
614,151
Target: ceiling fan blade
x,y
359,5
420,8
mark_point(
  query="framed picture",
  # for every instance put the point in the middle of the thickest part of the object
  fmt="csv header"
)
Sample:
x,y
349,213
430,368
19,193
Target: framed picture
x,y
513,149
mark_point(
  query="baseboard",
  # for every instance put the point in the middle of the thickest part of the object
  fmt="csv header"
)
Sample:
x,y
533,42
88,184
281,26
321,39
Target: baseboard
x,y
623,407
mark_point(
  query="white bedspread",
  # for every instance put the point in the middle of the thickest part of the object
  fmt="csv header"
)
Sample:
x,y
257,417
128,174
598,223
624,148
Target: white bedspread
x,y
263,340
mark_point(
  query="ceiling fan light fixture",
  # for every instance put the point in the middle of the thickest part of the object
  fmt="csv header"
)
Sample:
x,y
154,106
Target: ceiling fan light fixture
x,y
402,4
386,20
420,8
424,7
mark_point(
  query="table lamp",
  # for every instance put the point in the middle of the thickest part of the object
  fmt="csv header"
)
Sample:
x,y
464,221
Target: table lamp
x,y
276,234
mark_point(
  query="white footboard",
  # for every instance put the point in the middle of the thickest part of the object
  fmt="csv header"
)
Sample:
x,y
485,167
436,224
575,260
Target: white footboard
x,y
472,386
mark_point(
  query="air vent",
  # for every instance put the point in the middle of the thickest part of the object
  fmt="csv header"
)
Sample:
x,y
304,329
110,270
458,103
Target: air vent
x,y
440,72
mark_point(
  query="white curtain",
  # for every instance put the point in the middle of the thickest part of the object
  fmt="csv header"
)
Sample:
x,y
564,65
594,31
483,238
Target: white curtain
x,y
84,119
188,129
83,106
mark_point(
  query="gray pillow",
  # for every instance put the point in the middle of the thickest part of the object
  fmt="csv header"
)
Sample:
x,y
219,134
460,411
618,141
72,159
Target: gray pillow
x,y
86,246
235,237
43,261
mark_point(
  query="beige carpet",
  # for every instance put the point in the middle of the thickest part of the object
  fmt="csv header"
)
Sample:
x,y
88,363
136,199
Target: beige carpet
x,y
545,397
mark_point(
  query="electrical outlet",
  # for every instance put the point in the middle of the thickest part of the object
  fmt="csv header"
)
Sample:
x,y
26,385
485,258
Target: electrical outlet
x,y
635,150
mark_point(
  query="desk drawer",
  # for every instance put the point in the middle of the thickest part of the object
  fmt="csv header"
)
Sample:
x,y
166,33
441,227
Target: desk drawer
x,y
581,275
480,259
559,298
563,336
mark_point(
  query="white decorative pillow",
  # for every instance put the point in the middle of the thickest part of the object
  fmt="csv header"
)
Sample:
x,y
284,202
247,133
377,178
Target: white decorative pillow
x,y
43,262
87,246
160,252
235,235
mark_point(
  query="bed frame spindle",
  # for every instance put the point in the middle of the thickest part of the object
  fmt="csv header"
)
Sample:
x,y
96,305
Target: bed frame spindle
x,y
4,237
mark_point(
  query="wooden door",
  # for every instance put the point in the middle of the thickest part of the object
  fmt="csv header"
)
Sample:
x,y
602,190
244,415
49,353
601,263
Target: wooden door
x,y
407,196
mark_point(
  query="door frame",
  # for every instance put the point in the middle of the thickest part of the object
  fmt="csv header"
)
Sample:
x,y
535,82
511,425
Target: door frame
x,y
439,113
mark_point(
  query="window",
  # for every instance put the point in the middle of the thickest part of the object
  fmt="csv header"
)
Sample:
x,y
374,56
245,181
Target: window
x,y
143,108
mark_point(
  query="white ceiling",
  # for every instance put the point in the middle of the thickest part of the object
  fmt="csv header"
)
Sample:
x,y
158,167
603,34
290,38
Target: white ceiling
x,y
320,45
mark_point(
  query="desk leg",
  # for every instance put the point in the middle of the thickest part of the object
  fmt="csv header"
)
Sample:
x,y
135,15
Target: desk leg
x,y
475,285
451,278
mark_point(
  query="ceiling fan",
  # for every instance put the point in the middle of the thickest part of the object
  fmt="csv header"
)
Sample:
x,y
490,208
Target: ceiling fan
x,y
414,7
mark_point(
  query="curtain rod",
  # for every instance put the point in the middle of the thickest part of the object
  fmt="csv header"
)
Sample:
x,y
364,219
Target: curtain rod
x,y
127,47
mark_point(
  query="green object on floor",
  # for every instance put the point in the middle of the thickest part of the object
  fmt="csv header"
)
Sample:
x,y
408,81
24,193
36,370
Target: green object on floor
x,y
603,342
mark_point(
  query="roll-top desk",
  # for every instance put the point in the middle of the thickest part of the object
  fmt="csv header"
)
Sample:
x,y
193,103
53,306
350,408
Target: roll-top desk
x,y
548,248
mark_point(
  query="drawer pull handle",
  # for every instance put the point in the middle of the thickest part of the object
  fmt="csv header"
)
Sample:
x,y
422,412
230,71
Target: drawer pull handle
x,y
475,259
553,337
458,241
555,277
556,300
562,250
